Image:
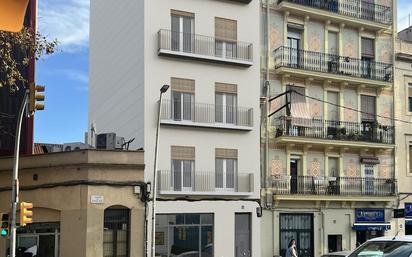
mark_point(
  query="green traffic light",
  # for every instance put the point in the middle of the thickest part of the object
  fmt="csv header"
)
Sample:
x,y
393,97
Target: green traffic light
x,y
4,232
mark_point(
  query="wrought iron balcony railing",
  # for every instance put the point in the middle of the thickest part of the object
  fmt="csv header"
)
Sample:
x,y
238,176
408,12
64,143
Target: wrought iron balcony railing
x,y
205,183
203,47
354,8
340,186
334,130
208,115
332,64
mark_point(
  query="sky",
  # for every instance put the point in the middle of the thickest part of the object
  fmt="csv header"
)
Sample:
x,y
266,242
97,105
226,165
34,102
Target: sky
x,y
65,73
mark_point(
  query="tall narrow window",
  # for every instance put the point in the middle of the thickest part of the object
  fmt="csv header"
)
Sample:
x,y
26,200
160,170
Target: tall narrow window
x,y
183,96
116,232
226,37
368,107
183,168
367,9
369,179
333,163
410,157
226,103
182,31
333,50
294,46
409,97
226,169
368,57
333,111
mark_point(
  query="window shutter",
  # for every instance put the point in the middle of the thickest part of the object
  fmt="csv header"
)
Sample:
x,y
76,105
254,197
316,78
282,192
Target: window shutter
x,y
410,90
225,29
182,13
182,153
333,43
226,88
183,85
226,153
368,48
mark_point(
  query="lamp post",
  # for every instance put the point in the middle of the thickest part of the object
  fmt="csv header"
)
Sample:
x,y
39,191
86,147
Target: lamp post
x,y
163,90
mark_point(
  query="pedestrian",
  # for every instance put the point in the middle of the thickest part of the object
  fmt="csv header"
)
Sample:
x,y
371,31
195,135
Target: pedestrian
x,y
292,251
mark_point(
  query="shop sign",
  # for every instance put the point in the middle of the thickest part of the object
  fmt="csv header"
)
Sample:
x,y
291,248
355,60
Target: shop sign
x,y
370,215
369,160
408,209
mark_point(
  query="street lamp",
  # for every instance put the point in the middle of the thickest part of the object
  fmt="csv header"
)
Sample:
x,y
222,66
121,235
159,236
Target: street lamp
x,y
163,90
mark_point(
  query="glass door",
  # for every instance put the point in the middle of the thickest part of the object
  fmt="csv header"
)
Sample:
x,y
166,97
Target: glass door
x,y
300,228
182,172
226,171
294,48
226,108
182,36
243,235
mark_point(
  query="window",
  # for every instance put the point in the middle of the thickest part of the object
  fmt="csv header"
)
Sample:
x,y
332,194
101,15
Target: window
x,y
368,108
294,46
226,169
410,157
368,57
183,99
333,111
226,37
369,178
184,235
183,168
225,103
409,97
333,50
182,31
116,232
333,166
368,9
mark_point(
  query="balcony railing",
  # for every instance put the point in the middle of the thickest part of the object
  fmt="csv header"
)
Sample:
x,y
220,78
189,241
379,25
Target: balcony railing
x,y
206,115
340,186
203,47
354,8
332,64
334,130
205,183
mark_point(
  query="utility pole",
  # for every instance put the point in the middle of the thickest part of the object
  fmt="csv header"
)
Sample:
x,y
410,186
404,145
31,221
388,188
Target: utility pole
x,y
154,188
15,177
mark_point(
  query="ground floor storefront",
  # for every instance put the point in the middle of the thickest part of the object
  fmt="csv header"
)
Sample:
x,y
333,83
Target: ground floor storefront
x,y
322,230
207,228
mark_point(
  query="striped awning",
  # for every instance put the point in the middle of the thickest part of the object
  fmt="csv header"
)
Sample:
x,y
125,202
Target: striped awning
x,y
299,109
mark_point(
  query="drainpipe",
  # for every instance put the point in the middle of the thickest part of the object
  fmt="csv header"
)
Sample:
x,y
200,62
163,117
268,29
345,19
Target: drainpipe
x,y
267,94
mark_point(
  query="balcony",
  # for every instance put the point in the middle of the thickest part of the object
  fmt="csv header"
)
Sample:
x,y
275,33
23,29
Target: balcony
x,y
333,186
352,12
207,116
205,183
198,47
328,132
328,66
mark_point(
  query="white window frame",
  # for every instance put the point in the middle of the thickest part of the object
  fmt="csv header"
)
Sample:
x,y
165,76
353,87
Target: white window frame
x,y
224,108
225,173
182,114
181,32
182,173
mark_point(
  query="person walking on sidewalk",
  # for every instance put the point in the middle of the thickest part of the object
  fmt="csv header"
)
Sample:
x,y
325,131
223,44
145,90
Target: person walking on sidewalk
x,y
292,251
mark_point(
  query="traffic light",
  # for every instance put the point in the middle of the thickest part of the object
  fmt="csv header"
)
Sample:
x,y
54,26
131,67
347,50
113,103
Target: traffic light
x,y
12,14
26,214
35,98
4,225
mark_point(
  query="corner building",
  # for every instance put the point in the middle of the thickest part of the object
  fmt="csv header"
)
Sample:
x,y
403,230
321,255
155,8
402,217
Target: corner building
x,y
208,172
328,176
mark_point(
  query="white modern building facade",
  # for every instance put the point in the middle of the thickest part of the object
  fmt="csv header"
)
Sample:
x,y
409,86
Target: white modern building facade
x,y
209,161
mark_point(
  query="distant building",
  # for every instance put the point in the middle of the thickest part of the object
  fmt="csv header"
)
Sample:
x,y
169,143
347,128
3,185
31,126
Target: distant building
x,y
403,94
86,203
10,103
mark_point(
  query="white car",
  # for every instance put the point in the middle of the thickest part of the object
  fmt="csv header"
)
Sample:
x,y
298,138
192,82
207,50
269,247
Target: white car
x,y
337,254
385,247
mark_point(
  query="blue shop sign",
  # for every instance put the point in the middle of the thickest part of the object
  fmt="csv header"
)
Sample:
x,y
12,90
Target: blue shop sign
x,y
408,209
370,215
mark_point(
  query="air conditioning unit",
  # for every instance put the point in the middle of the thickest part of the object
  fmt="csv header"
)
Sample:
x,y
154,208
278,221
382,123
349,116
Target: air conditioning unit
x,y
109,141
75,146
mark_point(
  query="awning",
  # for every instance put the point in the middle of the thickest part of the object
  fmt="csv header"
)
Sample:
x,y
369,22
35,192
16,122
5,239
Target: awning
x,y
299,109
408,221
371,226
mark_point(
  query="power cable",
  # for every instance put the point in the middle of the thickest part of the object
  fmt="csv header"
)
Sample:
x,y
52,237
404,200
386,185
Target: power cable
x,y
349,108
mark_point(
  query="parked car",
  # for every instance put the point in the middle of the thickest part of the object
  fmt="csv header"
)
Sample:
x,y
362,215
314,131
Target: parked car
x,y
337,254
385,247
